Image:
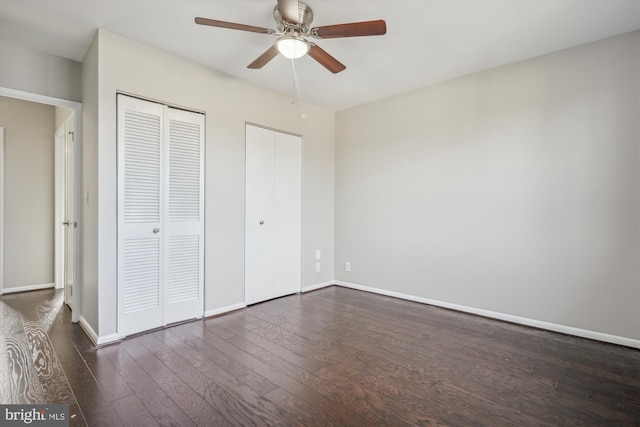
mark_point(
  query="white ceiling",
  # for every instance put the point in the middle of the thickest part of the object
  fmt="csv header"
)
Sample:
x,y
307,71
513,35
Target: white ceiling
x,y
427,41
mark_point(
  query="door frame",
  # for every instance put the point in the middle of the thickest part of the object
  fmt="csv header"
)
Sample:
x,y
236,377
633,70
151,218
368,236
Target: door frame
x,y
77,112
59,153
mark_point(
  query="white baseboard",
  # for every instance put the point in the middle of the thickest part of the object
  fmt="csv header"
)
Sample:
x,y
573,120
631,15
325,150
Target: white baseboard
x,y
27,288
111,338
108,339
569,330
317,286
93,336
88,330
222,310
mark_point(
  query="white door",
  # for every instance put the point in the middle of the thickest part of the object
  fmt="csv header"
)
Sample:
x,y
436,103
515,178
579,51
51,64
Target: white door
x,y
60,202
65,219
273,214
259,218
140,198
288,214
184,236
160,215
69,209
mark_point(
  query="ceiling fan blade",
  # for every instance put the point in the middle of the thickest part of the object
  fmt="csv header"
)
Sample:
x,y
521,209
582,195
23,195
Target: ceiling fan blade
x,y
324,59
263,59
354,29
233,26
289,11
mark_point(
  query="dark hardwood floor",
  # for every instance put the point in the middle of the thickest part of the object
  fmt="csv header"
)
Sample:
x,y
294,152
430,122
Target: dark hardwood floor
x,y
334,357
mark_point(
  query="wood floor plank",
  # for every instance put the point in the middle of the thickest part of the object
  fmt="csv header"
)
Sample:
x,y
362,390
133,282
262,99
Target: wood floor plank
x,y
304,413
108,378
281,350
93,403
132,412
259,405
336,411
225,363
146,359
200,412
233,352
275,362
159,404
225,402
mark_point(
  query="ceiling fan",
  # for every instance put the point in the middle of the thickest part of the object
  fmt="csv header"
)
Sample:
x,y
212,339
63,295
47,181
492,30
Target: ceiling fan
x,y
293,23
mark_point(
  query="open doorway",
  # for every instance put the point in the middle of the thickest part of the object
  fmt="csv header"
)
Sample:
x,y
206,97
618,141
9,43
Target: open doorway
x,y
65,147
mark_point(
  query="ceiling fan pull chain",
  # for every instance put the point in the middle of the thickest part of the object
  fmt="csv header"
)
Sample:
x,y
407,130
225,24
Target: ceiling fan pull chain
x,y
297,93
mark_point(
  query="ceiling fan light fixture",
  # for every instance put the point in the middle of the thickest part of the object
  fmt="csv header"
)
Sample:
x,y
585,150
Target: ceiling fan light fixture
x,y
292,47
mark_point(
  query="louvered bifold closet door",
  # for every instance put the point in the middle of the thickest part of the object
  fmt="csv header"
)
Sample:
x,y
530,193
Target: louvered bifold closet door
x,y
140,202
184,187
160,215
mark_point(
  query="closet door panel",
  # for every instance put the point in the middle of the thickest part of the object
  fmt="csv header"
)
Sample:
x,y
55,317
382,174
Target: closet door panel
x,y
259,226
184,237
140,200
288,215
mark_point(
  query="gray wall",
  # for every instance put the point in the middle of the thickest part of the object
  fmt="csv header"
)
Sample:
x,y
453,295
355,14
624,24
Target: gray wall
x,y
28,193
41,73
515,190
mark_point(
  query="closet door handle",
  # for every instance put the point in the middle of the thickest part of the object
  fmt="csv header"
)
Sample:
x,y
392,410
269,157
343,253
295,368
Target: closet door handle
x,y
261,222
156,230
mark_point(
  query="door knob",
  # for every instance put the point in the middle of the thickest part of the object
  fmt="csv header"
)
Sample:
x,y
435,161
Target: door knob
x,y
261,222
156,230
66,222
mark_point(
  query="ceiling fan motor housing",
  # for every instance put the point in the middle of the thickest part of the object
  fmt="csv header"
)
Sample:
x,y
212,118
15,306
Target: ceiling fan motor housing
x,y
305,17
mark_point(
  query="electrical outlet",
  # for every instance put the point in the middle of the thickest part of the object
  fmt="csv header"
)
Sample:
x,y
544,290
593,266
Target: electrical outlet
x,y
347,266
317,267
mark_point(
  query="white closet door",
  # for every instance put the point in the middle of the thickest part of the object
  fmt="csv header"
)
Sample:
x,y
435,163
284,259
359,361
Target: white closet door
x,y
140,201
184,236
260,205
160,215
288,214
273,214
